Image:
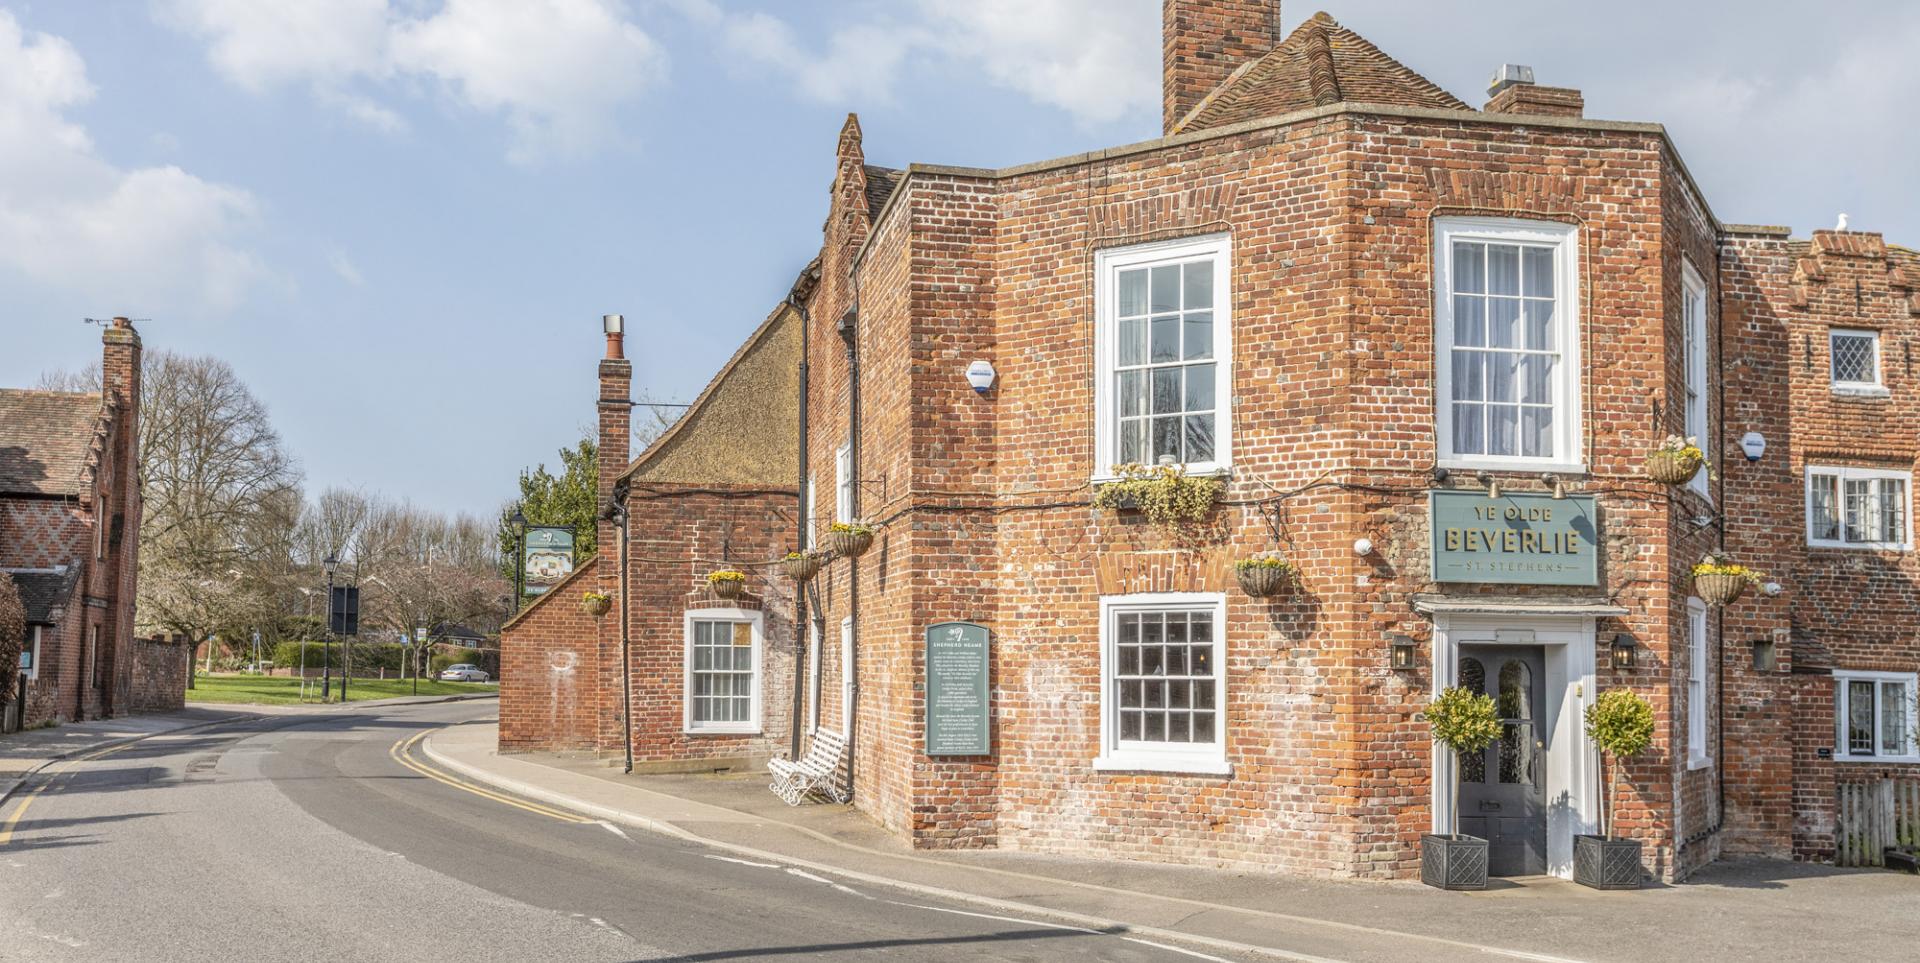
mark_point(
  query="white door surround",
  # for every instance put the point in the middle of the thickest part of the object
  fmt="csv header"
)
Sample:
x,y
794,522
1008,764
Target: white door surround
x,y
1573,782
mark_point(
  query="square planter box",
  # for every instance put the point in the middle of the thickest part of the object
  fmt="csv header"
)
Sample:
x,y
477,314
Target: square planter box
x,y
1453,862
1604,863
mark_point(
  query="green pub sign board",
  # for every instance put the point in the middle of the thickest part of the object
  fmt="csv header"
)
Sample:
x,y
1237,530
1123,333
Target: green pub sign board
x,y
549,551
1517,539
957,715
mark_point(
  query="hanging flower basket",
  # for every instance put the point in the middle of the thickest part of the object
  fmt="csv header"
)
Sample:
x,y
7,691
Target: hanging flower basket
x,y
802,566
1676,461
1721,582
727,583
1264,576
596,604
850,539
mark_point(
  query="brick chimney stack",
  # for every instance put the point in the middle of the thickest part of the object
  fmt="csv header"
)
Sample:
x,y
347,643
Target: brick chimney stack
x,y
122,508
616,416
1204,41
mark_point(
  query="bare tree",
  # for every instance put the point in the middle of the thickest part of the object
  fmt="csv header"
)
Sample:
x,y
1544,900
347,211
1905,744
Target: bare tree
x,y
651,419
219,496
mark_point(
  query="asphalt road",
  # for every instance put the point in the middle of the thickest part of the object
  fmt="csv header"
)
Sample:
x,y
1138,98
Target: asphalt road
x,y
326,838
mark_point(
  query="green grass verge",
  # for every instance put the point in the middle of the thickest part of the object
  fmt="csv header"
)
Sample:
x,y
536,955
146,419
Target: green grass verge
x,y
271,690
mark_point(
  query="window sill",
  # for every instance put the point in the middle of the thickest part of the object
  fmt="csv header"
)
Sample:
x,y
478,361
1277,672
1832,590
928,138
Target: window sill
x,y
722,731
1695,765
1576,469
1883,760
1220,471
1150,762
1861,547
1862,391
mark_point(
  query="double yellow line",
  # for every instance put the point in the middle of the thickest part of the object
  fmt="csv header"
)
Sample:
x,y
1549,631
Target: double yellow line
x,y
7,827
400,753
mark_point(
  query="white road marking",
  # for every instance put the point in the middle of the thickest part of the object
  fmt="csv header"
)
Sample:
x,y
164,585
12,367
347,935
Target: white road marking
x,y
1298,957
850,891
617,831
1175,949
744,862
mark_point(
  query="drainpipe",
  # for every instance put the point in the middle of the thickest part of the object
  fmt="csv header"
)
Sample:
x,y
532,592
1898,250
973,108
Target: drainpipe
x,y
848,328
800,538
1720,616
617,511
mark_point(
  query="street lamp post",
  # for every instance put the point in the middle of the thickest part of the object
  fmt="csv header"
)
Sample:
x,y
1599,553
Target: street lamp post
x,y
326,644
519,525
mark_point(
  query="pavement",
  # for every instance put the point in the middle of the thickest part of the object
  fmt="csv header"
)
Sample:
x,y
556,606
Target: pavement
x,y
1734,910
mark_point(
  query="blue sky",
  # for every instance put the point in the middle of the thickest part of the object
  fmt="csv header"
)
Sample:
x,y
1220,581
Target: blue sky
x,y
400,220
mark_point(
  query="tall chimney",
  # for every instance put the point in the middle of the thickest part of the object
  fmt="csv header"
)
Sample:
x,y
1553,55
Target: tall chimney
x,y
122,509
616,418
1203,41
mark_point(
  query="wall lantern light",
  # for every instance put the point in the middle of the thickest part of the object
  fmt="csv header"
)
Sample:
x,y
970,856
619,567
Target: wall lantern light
x,y
1624,651
1556,483
1403,653
980,375
1492,483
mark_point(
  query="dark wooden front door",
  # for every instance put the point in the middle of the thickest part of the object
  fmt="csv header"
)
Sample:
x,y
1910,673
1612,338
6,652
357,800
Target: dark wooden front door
x,y
1503,792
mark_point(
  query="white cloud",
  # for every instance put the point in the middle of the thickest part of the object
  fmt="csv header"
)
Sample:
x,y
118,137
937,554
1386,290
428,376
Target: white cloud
x,y
1094,59
556,70
146,238
342,266
859,63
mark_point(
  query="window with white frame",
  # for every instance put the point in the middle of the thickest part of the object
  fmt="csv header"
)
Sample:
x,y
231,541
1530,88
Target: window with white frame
x,y
1163,698
1855,359
723,671
846,673
1858,508
1874,716
814,629
1163,338
808,506
1697,666
1694,339
93,655
1508,346
843,484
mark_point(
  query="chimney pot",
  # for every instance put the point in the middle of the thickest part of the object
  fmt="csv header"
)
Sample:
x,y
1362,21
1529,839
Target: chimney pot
x,y
1509,75
615,327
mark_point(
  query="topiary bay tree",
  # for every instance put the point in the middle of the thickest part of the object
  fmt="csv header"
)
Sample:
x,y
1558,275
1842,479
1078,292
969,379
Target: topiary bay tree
x,y
1466,722
1620,723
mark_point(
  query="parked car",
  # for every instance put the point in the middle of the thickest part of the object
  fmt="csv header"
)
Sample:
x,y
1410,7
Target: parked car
x,y
463,673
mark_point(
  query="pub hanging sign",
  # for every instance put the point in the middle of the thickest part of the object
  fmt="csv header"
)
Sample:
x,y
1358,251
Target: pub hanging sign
x,y
1519,538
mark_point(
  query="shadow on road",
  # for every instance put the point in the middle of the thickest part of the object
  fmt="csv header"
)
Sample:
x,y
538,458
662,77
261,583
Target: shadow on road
x,y
804,949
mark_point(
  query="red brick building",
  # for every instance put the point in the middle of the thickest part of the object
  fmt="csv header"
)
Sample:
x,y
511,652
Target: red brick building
x,y
70,536
1425,349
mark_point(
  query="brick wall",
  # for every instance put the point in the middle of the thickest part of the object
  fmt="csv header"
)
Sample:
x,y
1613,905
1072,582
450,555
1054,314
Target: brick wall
x,y
158,680
1782,297
549,669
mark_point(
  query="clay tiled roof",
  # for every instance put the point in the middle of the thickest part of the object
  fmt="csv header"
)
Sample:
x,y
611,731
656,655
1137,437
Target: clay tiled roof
x,y
44,590
46,441
880,184
1321,63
